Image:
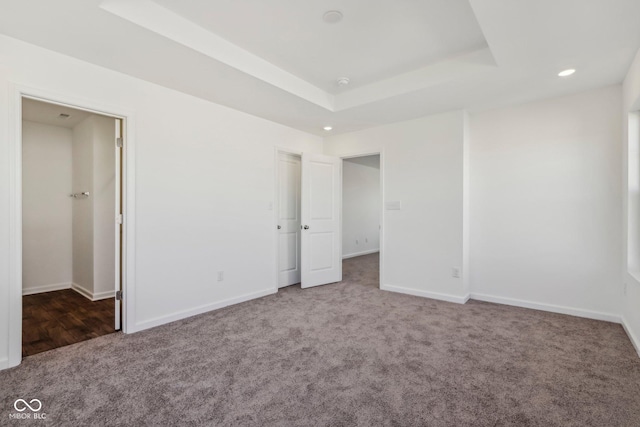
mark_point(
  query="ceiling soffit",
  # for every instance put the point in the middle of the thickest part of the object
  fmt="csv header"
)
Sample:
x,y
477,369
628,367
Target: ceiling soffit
x,y
160,20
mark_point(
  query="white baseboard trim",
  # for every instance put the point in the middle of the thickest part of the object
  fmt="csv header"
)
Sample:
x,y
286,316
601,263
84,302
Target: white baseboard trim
x,y
157,321
632,337
69,285
82,291
578,312
46,288
426,294
4,364
353,255
90,295
103,295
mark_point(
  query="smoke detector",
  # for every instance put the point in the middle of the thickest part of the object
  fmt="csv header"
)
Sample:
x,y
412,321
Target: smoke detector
x,y
343,81
332,17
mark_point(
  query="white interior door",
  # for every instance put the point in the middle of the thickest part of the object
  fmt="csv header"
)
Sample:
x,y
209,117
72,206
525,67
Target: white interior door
x,y
321,234
118,222
288,216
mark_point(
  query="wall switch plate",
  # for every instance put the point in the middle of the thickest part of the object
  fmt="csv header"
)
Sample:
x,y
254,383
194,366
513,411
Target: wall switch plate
x,y
393,206
220,276
455,272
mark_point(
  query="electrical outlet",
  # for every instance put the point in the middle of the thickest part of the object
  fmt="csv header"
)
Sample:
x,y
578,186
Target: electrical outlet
x,y
455,272
220,276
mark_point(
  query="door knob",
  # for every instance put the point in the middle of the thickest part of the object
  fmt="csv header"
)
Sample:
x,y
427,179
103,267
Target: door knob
x,y
306,227
279,227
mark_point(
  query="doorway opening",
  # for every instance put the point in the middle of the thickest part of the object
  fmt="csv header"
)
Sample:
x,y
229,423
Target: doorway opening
x,y
72,205
361,214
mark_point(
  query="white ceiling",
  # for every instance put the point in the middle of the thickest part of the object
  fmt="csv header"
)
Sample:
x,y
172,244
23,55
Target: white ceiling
x,y
49,114
406,58
376,40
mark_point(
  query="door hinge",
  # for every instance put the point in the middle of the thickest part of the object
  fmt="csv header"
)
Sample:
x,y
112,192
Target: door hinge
x,y
118,295
119,219
119,142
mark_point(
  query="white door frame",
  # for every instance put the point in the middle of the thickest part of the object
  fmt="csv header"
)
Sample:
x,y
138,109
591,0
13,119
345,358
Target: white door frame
x,y
17,93
363,154
276,246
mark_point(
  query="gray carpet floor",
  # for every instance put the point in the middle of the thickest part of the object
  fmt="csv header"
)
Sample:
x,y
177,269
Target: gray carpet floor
x,y
345,354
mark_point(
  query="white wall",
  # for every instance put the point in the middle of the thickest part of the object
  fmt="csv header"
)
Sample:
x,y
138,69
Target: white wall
x,y
631,206
423,168
545,204
94,217
69,242
82,179
103,197
204,181
46,207
360,205
544,183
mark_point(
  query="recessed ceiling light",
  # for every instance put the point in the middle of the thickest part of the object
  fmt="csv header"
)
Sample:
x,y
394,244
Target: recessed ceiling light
x,y
332,17
327,128
566,73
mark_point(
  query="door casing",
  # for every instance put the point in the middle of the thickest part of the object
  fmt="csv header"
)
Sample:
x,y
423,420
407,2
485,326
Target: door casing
x,y
349,155
19,92
381,207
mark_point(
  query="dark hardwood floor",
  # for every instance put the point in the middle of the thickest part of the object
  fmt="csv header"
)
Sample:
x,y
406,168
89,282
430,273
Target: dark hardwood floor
x,y
55,319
